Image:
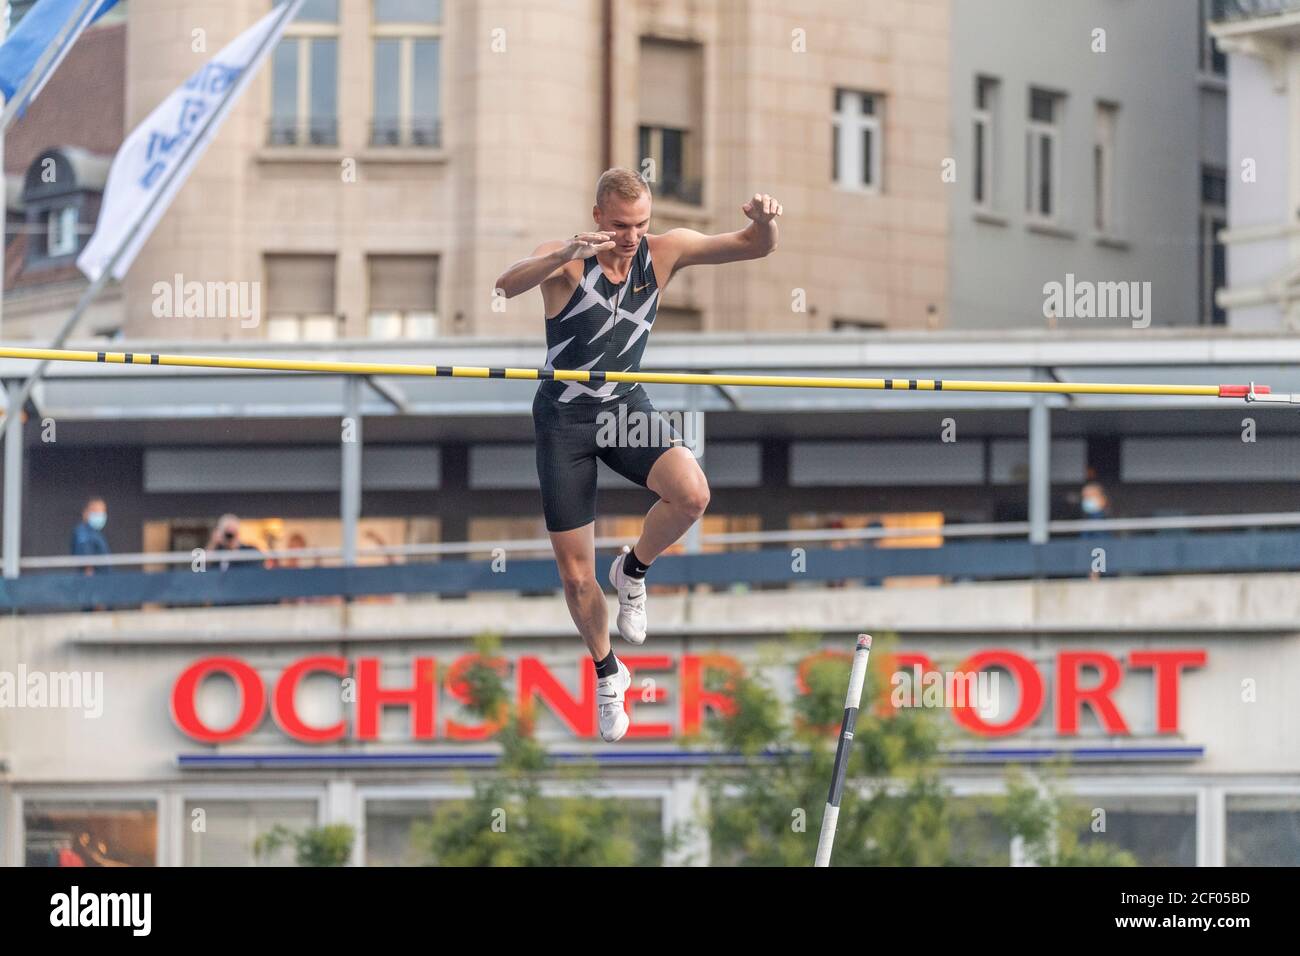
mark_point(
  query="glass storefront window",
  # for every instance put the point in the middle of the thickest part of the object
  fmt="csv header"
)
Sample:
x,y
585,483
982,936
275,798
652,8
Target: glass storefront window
x,y
91,833
411,832
1157,830
1263,829
222,832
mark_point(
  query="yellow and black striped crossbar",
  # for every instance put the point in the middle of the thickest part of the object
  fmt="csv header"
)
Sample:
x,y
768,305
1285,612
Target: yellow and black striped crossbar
x,y
1250,392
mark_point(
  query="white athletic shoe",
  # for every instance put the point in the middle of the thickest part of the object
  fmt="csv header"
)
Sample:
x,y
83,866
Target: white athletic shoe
x,y
609,704
631,601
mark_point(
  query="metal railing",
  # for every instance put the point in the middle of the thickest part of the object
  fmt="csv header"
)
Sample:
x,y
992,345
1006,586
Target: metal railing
x,y
1258,550
316,131
423,132
1001,529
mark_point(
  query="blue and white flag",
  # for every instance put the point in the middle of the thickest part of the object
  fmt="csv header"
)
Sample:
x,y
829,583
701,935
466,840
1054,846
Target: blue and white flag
x,y
21,52
160,153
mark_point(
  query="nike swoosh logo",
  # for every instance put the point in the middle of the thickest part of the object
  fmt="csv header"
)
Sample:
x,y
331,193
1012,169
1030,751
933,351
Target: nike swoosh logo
x,y
610,696
636,289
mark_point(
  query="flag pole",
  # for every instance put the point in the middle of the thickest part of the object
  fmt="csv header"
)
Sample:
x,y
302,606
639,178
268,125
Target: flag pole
x,y
49,60
106,273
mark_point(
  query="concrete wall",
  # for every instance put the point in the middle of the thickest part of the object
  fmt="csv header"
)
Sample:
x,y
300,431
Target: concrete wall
x,y
1259,130
1150,70
1245,624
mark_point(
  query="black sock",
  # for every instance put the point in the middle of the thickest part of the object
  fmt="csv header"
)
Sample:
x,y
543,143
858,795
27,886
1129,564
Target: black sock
x,y
632,565
608,667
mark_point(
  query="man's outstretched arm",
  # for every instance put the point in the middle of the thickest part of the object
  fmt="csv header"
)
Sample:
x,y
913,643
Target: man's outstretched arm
x,y
547,261
686,247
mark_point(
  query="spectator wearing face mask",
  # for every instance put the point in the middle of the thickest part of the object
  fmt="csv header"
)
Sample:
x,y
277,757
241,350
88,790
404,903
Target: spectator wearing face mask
x,y
88,536
1095,505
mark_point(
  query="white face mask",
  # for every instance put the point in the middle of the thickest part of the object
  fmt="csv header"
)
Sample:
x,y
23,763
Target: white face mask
x,y
97,519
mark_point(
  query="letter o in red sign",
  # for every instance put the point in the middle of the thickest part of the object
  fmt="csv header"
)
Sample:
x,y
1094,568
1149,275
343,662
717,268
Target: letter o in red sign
x,y
251,692
1024,673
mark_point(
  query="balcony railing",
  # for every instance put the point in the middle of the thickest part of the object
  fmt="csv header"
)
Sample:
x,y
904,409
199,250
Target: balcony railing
x,y
418,132
317,131
1225,11
1224,544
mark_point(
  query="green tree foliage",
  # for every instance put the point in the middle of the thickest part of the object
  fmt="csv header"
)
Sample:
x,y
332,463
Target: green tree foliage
x,y
510,822
330,845
1051,824
895,810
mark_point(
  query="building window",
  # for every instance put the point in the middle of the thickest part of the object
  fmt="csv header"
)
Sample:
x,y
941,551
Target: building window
x,y
305,79
984,130
1263,829
857,142
54,193
232,829
1042,152
403,297
61,232
93,833
1103,169
665,149
1212,257
670,119
1212,59
1156,830
407,73
424,831
300,298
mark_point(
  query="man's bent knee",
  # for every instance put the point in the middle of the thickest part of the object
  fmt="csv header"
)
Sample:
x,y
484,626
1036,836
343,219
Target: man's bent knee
x,y
578,581
694,500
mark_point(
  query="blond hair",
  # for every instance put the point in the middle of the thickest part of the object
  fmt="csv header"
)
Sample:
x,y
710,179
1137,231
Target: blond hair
x,y
622,182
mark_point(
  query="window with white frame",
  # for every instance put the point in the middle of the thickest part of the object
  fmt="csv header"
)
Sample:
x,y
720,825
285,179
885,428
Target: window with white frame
x,y
424,830
1156,829
1103,169
1042,155
305,79
61,232
1263,829
407,73
300,298
857,142
984,133
403,297
670,118
232,830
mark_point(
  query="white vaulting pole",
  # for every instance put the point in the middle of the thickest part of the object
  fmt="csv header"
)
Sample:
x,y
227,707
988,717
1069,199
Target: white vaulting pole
x,y
857,676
